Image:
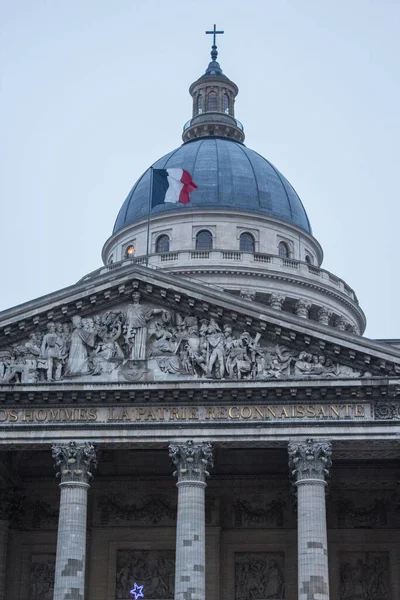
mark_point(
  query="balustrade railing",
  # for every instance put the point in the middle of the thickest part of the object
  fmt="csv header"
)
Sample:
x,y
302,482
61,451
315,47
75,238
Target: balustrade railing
x,y
268,261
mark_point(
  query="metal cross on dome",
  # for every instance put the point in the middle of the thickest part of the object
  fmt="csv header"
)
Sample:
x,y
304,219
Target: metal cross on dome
x,y
214,33
137,591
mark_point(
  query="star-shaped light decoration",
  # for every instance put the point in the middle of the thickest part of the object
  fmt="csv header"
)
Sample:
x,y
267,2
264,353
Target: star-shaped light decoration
x,y
137,591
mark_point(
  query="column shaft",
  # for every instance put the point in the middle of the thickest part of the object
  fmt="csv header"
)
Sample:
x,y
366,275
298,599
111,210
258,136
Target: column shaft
x,y
190,542
309,462
191,461
75,463
71,543
313,575
3,556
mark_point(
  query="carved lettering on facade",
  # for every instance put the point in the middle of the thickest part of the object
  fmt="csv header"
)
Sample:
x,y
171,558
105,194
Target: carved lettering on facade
x,y
196,414
154,569
143,342
259,576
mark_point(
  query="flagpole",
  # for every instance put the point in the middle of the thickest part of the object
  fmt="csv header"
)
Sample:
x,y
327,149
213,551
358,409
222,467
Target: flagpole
x,y
148,217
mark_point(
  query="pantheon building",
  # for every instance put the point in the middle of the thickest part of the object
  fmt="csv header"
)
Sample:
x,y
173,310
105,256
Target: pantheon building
x,y
201,417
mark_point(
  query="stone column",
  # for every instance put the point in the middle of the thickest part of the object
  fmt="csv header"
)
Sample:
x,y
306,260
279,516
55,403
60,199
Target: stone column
x,y
191,461
309,462
75,462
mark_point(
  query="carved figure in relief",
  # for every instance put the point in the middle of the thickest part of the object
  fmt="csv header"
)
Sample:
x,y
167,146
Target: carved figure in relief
x,y
42,580
82,340
365,578
136,328
130,344
258,576
108,354
154,569
164,340
214,339
238,360
51,351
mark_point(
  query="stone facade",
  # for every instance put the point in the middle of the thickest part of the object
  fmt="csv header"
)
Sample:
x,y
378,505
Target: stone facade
x,y
244,368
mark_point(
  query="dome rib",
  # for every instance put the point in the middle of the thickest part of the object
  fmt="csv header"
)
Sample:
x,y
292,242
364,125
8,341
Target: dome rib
x,y
252,168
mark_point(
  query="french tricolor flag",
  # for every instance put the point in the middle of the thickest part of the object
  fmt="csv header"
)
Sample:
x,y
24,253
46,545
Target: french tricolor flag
x,y
171,185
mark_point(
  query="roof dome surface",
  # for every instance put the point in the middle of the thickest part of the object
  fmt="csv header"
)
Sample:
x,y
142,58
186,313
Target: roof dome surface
x,y
229,176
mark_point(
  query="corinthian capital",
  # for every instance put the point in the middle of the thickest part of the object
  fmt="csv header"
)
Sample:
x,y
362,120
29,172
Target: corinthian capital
x,y
192,461
302,308
276,301
324,315
310,460
74,461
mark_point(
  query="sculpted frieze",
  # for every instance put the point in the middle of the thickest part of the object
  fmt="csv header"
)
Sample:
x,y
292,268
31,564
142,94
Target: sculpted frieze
x,y
364,576
41,582
271,513
154,509
353,515
140,342
41,515
259,575
157,509
154,569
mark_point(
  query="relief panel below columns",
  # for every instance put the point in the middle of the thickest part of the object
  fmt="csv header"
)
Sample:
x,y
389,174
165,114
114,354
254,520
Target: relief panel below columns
x,y
152,569
41,579
364,576
259,576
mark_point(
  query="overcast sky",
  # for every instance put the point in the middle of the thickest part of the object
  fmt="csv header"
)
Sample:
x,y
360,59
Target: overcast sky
x,y
94,91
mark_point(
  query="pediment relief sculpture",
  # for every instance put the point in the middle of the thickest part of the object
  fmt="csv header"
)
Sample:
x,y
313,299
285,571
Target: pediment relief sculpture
x,y
141,342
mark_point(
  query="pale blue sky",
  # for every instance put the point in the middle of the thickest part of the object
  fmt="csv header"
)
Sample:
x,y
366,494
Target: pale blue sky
x,y
92,92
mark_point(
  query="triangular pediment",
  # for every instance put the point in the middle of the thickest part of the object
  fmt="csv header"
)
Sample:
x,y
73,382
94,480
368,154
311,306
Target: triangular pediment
x,y
138,325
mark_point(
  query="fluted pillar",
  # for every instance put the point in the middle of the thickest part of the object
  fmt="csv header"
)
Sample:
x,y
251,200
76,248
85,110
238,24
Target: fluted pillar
x,y
74,463
192,462
309,462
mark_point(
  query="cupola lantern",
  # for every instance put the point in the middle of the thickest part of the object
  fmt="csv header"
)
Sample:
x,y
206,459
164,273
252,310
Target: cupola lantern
x,y
213,103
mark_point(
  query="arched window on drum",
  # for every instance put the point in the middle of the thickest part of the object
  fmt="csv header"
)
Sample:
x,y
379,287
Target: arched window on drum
x,y
199,104
283,250
212,101
162,244
225,104
246,242
204,240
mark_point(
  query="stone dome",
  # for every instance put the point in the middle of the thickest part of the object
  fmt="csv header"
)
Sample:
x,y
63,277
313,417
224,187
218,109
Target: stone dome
x,y
229,176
